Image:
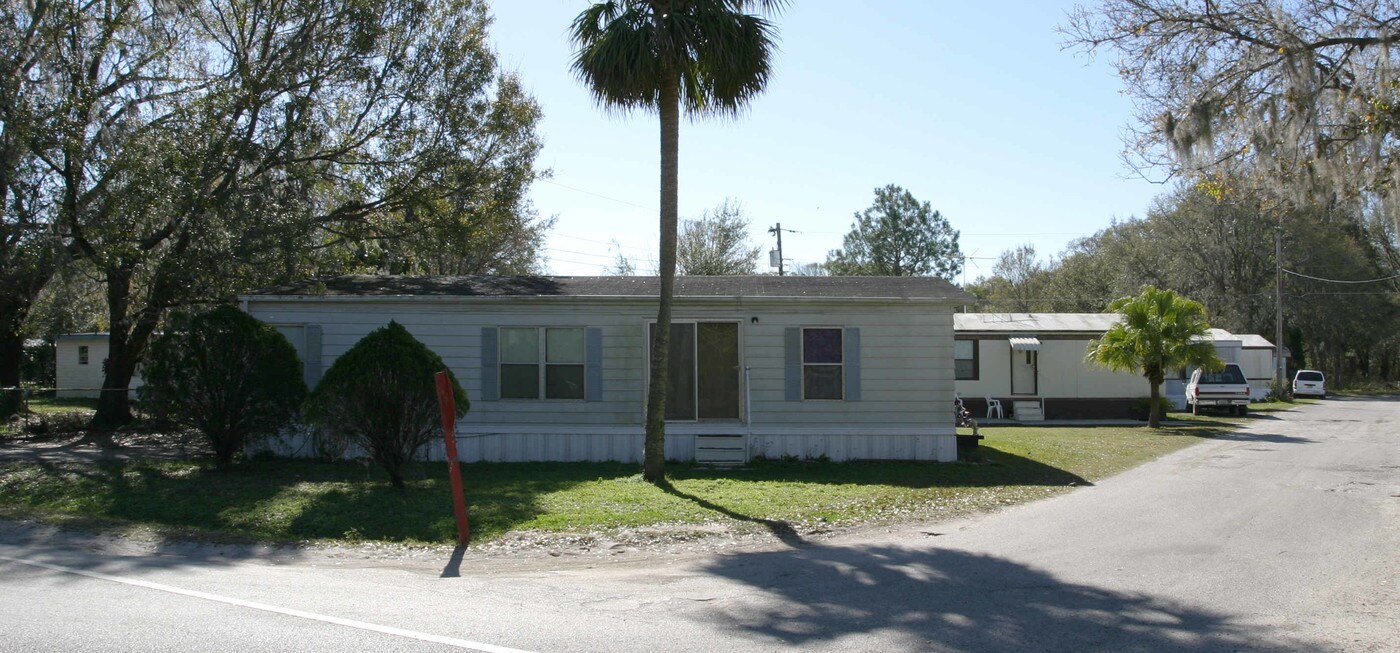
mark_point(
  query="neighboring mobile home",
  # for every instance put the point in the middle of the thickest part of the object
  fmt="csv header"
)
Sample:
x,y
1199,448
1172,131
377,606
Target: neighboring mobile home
x,y
557,367
1034,365
1259,359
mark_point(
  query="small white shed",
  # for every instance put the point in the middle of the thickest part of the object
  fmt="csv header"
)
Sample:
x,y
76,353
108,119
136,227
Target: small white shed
x,y
79,361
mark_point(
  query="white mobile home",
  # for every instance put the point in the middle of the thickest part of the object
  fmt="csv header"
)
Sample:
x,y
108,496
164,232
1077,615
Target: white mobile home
x,y
1258,358
1033,364
557,367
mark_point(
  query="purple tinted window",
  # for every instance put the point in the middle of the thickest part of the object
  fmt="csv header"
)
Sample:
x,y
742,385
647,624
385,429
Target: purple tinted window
x,y
821,346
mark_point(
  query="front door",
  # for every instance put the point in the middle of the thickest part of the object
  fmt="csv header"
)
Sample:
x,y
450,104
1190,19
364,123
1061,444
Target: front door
x,y
703,379
1023,371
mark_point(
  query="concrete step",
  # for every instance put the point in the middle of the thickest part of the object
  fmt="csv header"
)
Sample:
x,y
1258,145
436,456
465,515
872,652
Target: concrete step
x,y
1027,411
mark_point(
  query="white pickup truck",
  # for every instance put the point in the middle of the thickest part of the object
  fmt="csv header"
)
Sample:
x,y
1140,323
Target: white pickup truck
x,y
1226,390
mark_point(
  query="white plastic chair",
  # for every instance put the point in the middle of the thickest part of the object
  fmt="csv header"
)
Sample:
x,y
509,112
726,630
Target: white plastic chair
x,y
994,406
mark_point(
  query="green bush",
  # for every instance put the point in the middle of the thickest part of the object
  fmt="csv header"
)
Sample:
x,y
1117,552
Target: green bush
x,y
1142,404
382,396
224,373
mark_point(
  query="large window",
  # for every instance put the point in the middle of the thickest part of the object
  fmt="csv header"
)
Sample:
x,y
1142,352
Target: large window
x,y
822,364
702,381
542,363
965,360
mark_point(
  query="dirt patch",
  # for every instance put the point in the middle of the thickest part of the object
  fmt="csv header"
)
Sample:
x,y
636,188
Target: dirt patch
x,y
64,437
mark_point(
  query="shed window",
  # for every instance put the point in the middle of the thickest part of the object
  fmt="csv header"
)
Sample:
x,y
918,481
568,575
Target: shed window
x,y
542,362
822,360
965,360
82,354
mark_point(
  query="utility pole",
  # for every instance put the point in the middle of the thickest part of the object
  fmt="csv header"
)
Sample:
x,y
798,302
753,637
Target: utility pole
x,y
777,230
1280,370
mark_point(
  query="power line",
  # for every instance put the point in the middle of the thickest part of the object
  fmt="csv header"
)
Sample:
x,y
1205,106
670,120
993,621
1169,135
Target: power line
x,y
570,251
612,243
598,195
1299,274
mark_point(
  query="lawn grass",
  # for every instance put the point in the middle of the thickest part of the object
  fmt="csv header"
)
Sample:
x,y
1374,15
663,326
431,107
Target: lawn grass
x,y
50,405
284,500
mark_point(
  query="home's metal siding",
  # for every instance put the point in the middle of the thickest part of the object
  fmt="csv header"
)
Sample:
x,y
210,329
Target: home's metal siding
x,y
1062,372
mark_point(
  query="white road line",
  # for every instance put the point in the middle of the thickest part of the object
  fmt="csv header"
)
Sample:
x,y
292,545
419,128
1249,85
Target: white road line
x,y
301,614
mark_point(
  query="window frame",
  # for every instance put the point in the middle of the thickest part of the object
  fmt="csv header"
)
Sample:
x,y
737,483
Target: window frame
x,y
83,354
802,358
976,359
542,364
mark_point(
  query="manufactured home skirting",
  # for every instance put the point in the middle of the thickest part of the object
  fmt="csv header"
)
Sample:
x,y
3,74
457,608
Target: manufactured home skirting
x,y
1069,409
625,444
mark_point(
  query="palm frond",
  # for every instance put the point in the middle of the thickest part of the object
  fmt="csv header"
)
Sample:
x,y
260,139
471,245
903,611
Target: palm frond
x,y
720,52
1160,331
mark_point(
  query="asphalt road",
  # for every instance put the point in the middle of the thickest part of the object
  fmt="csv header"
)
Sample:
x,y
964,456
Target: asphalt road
x,y
1284,537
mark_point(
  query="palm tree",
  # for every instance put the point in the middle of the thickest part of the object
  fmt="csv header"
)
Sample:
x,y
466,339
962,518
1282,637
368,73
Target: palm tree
x,y
1160,331
655,55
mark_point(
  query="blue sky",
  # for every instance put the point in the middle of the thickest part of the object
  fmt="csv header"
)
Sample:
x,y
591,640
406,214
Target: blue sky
x,y
972,107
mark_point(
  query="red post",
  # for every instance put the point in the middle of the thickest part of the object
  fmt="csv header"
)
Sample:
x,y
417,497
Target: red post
x,y
448,403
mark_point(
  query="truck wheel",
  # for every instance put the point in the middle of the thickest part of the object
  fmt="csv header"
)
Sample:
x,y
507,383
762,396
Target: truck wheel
x,y
1244,411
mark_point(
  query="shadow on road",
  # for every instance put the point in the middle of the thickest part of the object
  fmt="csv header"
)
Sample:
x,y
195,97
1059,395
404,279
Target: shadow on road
x,y
953,600
1249,436
453,568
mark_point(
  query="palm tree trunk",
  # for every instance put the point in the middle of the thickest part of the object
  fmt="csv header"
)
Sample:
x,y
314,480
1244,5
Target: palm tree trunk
x,y
654,451
1154,408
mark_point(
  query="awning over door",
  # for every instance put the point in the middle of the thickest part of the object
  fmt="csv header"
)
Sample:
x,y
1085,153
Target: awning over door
x,y
1030,343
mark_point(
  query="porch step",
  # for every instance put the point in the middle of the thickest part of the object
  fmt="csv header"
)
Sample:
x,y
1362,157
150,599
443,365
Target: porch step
x,y
721,449
1027,411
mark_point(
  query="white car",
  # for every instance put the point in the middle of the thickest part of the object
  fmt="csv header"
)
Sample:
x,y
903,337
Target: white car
x,y
1310,382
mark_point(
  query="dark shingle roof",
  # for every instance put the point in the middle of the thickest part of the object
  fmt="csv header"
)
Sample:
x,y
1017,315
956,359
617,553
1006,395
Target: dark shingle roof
x,y
922,288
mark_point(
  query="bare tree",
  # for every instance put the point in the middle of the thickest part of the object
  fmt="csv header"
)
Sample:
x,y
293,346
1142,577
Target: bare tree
x,y
717,243
621,265
1302,93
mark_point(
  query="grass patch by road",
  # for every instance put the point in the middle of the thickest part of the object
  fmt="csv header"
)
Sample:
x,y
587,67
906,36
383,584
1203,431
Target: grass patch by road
x,y
303,500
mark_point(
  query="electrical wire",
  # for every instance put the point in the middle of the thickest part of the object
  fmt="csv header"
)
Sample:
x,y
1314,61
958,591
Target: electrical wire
x,y
589,192
1299,274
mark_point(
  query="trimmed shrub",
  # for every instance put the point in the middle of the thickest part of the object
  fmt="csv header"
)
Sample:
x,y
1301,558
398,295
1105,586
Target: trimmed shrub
x,y
1142,405
224,373
381,395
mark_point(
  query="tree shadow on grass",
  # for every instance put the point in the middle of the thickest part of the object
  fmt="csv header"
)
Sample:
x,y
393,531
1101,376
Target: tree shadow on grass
x,y
779,528
500,497
988,467
951,600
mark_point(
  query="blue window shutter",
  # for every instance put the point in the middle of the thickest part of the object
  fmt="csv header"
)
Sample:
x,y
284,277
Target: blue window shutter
x,y
593,364
490,376
792,363
850,357
311,366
